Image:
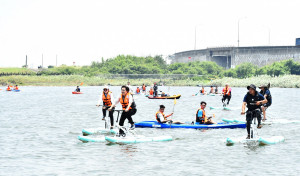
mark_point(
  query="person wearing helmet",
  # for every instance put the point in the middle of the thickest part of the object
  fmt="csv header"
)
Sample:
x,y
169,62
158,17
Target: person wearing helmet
x,y
107,98
253,100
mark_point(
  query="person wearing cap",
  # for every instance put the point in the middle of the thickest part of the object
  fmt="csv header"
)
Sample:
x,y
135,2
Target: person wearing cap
x,y
226,94
267,94
254,100
107,98
162,118
77,89
201,115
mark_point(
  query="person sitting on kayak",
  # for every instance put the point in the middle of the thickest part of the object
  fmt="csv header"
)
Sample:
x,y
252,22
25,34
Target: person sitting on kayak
x,y
8,88
226,94
162,118
151,91
202,91
16,87
128,106
216,90
144,88
267,94
254,100
137,90
155,87
77,89
201,115
107,98
211,90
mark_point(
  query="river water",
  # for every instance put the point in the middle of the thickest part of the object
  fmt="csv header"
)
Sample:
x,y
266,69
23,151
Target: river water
x,y
39,128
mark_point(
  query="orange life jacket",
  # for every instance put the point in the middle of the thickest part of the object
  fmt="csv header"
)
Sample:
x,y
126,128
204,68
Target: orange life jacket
x,y
156,115
125,101
151,92
137,90
225,91
16,88
202,90
106,99
144,88
8,88
202,119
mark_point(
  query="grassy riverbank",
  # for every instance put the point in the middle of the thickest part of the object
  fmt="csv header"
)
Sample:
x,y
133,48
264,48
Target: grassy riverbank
x,y
287,81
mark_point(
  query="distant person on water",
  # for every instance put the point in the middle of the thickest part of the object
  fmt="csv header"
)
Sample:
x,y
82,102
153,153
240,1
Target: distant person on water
x,y
128,106
8,88
253,100
107,98
226,94
144,88
216,90
201,115
155,87
77,89
130,88
202,91
138,90
267,94
162,118
16,87
151,92
211,90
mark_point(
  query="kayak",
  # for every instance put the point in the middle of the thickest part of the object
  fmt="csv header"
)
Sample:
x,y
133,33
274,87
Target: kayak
x,y
91,139
91,131
169,97
77,93
16,90
137,139
260,141
267,122
155,124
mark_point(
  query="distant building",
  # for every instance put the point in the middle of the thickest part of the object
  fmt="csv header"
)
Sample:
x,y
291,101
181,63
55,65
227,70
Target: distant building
x,y
229,57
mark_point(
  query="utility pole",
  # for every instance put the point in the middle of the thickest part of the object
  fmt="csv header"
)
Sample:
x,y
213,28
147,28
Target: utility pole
x,y
26,62
42,61
56,60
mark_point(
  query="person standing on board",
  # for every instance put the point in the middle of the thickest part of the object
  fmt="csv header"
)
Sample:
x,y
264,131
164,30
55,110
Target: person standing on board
x,y
202,91
267,94
254,100
107,98
155,87
226,94
128,106
138,90
130,88
144,88
201,115
211,90
216,90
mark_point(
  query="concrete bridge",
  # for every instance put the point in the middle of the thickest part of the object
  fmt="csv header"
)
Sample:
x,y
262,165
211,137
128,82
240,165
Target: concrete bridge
x,y
229,57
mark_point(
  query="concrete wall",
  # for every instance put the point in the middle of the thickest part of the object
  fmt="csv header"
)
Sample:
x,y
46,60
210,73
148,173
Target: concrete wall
x,y
229,57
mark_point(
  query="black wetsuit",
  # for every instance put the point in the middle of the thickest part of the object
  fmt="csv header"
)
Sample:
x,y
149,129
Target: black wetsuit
x,y
155,87
269,97
127,115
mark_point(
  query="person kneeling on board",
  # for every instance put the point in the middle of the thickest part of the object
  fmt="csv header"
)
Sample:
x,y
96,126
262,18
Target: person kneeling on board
x,y
254,100
107,98
201,115
267,94
162,118
128,106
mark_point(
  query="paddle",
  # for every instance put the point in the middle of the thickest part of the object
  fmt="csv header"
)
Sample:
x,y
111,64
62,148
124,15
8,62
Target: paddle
x,y
81,83
173,111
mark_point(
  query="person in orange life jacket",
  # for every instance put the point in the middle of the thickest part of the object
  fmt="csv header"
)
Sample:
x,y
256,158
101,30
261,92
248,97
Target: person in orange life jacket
x,y
211,90
128,106
151,91
8,88
16,87
202,91
137,90
267,94
144,88
77,89
226,94
254,100
162,118
201,115
107,97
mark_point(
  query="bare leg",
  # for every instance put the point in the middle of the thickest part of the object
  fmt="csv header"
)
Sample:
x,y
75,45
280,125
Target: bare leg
x,y
264,112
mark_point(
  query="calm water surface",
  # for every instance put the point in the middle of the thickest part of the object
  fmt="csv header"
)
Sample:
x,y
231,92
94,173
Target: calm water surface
x,y
39,128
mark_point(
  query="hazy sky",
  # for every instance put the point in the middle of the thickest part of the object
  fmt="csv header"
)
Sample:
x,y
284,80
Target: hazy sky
x,y
86,30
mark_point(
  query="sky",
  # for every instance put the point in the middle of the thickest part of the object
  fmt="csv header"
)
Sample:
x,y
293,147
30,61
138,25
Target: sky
x,y
83,31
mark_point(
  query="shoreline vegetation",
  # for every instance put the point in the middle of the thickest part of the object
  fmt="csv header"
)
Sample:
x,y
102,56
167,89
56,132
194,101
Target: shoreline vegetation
x,y
285,81
119,70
